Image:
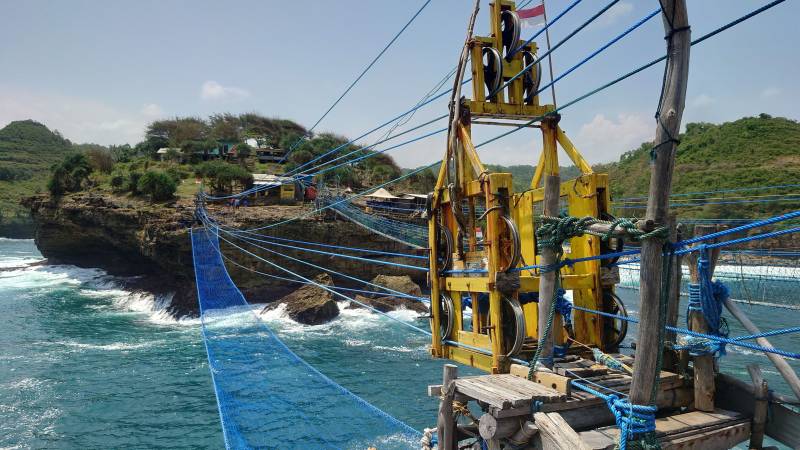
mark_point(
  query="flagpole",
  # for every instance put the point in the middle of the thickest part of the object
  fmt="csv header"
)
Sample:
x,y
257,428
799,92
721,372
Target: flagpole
x,y
549,56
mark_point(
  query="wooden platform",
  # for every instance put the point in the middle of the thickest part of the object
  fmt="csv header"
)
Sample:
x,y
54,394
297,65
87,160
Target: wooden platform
x,y
694,430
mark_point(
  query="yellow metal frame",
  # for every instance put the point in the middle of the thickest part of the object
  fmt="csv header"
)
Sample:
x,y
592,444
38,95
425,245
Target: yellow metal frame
x,y
587,195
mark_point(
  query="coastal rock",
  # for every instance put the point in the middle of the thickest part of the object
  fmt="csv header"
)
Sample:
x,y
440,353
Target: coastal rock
x,y
399,283
386,304
310,305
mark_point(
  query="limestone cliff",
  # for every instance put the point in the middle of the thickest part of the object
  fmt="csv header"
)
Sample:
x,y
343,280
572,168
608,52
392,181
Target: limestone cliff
x,y
126,236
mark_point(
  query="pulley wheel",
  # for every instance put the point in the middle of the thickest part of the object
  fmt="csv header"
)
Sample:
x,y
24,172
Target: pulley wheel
x,y
513,326
533,76
492,70
446,316
614,330
612,245
510,245
510,29
444,248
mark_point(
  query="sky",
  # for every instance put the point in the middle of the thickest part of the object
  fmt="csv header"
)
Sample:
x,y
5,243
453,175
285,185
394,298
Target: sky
x,y
99,71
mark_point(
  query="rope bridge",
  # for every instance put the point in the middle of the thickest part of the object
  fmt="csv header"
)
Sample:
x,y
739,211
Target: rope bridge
x,y
267,396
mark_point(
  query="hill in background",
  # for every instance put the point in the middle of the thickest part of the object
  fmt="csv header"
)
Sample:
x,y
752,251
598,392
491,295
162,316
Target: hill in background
x,y
27,151
746,153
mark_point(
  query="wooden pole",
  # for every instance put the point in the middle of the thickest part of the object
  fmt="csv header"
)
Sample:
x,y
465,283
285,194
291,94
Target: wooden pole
x,y
703,364
760,408
674,301
670,112
547,281
446,424
780,363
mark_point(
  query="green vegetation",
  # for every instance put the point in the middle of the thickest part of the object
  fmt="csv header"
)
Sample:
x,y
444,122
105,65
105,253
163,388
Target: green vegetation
x,y
222,176
157,184
70,175
28,150
749,152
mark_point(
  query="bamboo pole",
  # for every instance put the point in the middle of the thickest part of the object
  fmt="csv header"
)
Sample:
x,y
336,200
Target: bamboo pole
x,y
780,363
760,391
446,424
670,112
547,281
703,364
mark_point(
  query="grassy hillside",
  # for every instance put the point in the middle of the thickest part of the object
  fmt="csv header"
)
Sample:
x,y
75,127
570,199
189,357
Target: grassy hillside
x,y
749,152
27,151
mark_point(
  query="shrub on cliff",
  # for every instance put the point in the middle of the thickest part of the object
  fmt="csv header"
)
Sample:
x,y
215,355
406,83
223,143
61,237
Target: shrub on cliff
x,y
118,181
133,182
158,185
222,175
69,175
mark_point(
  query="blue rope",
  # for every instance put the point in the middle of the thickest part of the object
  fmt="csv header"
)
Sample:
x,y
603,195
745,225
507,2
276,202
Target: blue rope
x,y
560,108
545,28
356,249
720,191
363,72
687,332
632,420
336,255
724,202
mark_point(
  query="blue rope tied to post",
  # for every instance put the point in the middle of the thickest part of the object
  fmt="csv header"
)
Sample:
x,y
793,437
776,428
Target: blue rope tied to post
x,y
633,421
564,308
707,297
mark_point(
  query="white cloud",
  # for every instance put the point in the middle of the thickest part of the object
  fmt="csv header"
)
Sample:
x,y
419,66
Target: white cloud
x,y
152,110
702,101
78,119
616,12
604,139
770,92
211,90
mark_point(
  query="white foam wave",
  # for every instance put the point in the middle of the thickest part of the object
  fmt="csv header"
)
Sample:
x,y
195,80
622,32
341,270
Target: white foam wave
x,y
116,346
18,262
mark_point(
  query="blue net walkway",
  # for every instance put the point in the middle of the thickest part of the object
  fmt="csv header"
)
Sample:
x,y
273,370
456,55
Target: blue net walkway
x,y
267,396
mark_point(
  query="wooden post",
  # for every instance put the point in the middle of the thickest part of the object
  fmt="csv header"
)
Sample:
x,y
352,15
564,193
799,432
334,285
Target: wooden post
x,y
674,302
446,424
493,429
670,112
703,364
780,363
547,280
760,409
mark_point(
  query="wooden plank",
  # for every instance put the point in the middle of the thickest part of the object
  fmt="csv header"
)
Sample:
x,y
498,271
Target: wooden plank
x,y
481,394
761,392
555,433
736,395
694,430
493,387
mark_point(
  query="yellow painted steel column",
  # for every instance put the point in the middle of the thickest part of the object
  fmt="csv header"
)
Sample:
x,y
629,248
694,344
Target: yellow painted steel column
x,y
433,276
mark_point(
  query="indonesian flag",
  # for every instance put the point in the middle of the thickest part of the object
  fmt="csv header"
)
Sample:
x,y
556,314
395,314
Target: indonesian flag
x,y
532,17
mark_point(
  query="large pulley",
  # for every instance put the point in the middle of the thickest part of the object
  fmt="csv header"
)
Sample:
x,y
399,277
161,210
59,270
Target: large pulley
x,y
446,316
492,70
444,248
533,76
510,30
510,244
513,326
615,330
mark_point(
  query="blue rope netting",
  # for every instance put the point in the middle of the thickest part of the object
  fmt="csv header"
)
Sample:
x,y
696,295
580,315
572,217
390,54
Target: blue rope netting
x,y
408,233
267,396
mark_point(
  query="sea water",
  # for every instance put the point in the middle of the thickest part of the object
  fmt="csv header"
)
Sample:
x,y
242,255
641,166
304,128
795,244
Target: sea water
x,y
85,363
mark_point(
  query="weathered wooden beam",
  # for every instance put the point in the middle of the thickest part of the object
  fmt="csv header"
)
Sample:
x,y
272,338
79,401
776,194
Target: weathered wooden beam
x,y
556,434
446,424
524,434
703,364
778,361
675,17
674,301
736,395
760,409
491,427
547,281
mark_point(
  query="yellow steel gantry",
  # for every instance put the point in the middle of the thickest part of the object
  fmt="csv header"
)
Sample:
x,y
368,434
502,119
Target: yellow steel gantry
x,y
471,255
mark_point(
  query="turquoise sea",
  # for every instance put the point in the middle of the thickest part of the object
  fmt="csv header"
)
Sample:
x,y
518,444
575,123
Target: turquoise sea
x,y
87,364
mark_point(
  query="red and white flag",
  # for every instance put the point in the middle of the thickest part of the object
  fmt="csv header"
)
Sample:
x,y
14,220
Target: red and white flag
x,y
532,17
